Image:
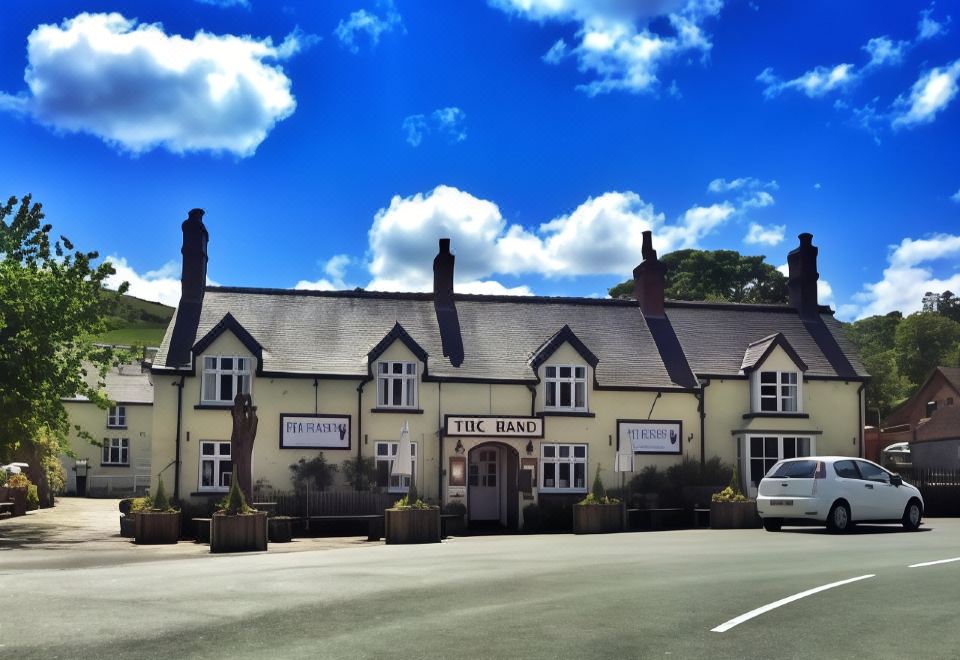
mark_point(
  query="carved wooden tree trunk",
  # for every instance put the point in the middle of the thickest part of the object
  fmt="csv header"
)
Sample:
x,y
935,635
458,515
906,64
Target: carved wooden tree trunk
x,y
244,432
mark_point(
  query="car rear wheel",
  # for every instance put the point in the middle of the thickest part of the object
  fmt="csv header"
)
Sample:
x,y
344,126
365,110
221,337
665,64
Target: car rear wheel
x,y
838,520
772,524
912,515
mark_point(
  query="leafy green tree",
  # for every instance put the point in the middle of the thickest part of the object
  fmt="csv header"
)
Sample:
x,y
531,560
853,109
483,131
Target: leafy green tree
x,y
875,338
724,275
924,341
52,303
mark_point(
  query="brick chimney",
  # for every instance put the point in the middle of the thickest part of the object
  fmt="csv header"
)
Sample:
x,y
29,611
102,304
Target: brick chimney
x,y
443,274
648,280
194,251
802,280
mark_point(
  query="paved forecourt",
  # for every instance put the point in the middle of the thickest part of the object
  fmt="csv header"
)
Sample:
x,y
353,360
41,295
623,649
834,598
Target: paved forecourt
x,y
543,596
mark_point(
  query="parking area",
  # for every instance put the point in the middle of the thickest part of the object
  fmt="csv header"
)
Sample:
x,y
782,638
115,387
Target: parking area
x,y
879,592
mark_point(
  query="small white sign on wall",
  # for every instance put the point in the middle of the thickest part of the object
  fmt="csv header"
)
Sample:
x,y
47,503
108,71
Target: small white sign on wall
x,y
651,436
314,431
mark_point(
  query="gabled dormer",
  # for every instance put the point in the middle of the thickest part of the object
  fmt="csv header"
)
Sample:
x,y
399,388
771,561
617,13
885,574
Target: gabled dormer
x,y
776,376
228,357
565,367
398,364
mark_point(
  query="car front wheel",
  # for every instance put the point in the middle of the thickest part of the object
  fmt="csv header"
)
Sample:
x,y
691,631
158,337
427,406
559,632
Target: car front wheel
x,y
912,515
839,518
772,524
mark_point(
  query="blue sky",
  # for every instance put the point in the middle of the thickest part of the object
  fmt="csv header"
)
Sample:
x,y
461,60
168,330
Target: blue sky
x,y
331,143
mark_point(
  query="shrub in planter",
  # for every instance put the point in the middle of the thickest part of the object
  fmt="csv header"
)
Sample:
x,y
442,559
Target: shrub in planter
x,y
17,488
411,520
455,526
236,527
156,521
597,513
731,509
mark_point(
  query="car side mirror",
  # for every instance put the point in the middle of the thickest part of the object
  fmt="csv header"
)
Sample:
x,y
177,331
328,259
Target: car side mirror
x,y
896,479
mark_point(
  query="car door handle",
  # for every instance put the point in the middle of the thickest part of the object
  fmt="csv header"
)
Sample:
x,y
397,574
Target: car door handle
x,y
870,486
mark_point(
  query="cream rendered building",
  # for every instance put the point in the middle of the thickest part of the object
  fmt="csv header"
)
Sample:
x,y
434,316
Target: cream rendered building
x,y
121,466
509,400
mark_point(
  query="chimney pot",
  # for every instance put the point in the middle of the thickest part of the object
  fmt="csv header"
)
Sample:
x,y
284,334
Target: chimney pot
x,y
193,277
802,278
443,265
649,280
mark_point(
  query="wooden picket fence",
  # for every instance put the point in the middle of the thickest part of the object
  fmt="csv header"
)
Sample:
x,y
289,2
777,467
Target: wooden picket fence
x,y
306,503
940,489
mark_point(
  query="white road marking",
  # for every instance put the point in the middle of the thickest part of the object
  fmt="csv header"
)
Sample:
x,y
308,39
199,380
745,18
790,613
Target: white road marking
x,y
724,627
931,563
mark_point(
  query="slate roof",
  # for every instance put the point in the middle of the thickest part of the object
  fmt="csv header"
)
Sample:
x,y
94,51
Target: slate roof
x,y
127,383
757,352
331,334
944,424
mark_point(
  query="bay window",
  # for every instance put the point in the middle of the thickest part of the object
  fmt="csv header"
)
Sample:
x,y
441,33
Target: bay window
x,y
765,451
386,454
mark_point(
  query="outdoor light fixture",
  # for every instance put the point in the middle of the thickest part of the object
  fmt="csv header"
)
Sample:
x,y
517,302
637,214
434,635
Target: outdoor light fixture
x,y
529,447
459,447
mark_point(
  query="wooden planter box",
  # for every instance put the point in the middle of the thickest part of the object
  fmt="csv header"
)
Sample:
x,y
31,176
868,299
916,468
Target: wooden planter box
x,y
243,533
19,498
734,515
597,518
155,527
412,525
281,529
127,526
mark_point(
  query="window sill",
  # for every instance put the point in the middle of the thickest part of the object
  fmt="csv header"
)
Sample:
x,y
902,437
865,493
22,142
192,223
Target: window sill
x,y
114,427
566,413
213,406
563,491
406,411
775,415
114,465
209,493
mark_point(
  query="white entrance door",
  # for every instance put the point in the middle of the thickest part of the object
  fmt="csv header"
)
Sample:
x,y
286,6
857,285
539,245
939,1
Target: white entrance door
x,y
484,480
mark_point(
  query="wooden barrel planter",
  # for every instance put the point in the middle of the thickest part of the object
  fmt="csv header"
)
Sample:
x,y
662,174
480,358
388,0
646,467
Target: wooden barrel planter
x,y
281,529
246,532
19,498
156,527
412,525
597,518
734,515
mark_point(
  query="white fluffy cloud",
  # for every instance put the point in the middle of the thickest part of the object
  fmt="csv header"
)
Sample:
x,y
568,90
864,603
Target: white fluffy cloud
x,y
368,24
884,50
449,123
335,268
603,235
616,46
161,285
743,183
137,88
956,197
817,82
929,96
908,275
764,235
928,27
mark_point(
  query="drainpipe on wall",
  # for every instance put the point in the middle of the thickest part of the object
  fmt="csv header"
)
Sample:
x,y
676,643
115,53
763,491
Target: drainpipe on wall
x,y
176,460
440,442
360,419
533,399
704,384
860,405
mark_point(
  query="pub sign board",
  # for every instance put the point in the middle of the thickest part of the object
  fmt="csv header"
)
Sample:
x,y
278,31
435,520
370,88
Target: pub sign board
x,y
494,426
314,431
647,436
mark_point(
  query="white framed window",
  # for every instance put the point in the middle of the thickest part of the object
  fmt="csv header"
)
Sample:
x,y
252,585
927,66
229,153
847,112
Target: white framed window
x,y
386,454
397,384
225,376
216,465
116,451
117,417
563,468
778,392
565,387
765,451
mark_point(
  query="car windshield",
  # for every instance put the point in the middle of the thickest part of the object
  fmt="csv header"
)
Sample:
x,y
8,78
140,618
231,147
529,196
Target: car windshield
x,y
794,470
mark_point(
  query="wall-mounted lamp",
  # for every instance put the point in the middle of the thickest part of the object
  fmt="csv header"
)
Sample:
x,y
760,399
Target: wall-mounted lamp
x,y
529,447
459,447
690,438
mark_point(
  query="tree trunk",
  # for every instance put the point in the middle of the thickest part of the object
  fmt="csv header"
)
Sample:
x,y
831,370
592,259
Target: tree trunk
x,y
244,432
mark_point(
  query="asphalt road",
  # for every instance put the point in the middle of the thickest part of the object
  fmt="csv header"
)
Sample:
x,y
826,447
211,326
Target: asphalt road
x,y
636,595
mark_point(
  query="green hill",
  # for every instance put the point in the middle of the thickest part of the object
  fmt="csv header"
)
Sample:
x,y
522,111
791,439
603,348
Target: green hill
x,y
135,321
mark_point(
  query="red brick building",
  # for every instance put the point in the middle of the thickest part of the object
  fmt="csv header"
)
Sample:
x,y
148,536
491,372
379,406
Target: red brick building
x,y
930,421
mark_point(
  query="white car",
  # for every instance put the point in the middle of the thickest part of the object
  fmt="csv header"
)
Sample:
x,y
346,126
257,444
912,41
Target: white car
x,y
838,491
